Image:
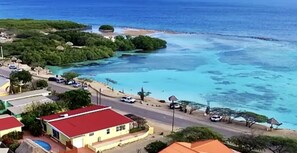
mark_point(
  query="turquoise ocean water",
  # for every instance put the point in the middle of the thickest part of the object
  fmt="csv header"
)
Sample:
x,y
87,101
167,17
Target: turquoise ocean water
x,y
219,59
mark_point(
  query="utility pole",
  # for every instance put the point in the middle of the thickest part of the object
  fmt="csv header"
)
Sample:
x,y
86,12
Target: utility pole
x,y
97,96
100,96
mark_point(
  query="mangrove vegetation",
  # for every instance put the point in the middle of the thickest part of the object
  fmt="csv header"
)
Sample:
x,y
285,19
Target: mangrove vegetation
x,y
42,42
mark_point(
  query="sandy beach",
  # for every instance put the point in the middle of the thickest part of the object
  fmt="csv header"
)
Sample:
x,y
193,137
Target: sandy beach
x,y
137,32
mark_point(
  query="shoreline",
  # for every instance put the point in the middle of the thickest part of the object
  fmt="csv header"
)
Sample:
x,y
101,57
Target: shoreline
x,y
153,103
136,31
162,97
154,31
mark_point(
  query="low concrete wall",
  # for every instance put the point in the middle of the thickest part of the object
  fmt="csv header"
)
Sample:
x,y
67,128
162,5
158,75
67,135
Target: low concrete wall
x,y
122,142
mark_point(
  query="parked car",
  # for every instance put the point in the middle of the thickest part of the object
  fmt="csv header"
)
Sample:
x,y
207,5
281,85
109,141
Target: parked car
x,y
76,85
85,87
13,67
70,82
216,118
52,79
128,99
174,105
60,80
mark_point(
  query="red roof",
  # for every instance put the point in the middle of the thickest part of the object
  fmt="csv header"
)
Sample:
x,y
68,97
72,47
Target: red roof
x,y
9,122
207,146
88,122
73,112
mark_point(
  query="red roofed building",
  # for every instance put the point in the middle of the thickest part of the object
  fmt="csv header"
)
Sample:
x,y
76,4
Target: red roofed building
x,y
9,124
86,126
206,146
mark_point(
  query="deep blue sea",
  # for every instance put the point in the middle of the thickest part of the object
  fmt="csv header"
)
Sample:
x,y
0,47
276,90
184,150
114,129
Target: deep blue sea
x,y
266,18
215,58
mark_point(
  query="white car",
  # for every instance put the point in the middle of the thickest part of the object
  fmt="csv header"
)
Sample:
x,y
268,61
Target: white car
x,y
216,118
175,105
128,99
76,85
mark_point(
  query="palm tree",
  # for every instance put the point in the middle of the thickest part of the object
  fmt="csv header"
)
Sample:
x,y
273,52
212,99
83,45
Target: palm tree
x,y
143,94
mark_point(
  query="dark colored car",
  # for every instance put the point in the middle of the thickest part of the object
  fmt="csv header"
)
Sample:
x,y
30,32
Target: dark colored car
x,y
52,79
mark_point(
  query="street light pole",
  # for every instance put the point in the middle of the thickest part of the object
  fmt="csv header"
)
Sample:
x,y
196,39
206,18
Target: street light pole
x,y
2,57
172,99
173,112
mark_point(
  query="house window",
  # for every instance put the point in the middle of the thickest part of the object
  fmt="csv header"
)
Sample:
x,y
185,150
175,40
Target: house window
x,y
91,134
107,131
56,134
120,128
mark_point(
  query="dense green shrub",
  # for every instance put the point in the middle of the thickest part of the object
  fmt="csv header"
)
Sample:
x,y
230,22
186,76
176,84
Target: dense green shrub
x,y
41,84
148,43
155,147
137,129
14,146
193,134
106,28
16,135
28,24
7,140
35,128
248,143
2,105
36,110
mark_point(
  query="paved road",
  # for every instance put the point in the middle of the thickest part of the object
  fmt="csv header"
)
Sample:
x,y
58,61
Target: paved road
x,y
147,113
4,71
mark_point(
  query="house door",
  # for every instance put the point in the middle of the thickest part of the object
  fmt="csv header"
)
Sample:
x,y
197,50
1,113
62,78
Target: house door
x,y
78,143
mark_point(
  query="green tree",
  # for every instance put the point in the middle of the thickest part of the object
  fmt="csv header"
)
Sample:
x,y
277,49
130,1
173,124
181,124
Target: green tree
x,y
41,84
248,143
106,28
24,76
193,134
70,75
37,110
251,118
76,98
143,94
155,147
147,43
35,128
279,144
17,77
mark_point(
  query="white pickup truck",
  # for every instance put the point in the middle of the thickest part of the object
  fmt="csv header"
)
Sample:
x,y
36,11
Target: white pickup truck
x,y
128,99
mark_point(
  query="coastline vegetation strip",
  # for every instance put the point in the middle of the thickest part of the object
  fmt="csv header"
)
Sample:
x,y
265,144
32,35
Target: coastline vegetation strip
x,y
36,47
29,24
